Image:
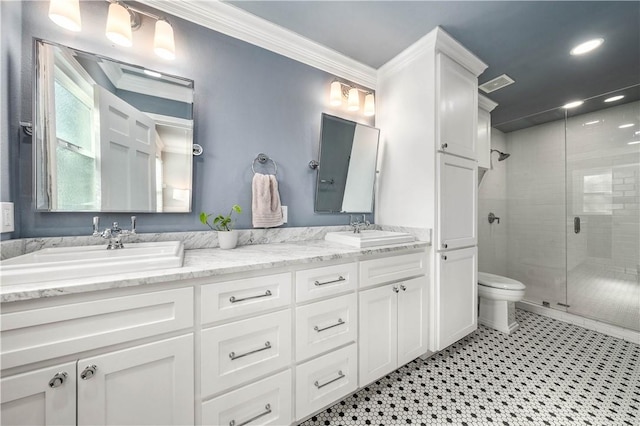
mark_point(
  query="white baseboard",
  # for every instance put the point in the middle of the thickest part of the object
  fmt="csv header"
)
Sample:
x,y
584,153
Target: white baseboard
x,y
601,327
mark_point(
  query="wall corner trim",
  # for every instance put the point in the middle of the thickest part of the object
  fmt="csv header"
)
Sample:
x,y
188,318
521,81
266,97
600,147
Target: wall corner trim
x,y
237,23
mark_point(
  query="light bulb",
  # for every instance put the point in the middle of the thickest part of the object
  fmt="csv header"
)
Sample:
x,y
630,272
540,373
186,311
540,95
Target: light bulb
x,y
65,13
369,105
163,43
353,102
119,25
335,98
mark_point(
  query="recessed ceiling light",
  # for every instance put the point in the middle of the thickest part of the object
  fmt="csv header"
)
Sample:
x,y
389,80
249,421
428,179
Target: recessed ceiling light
x,y
153,73
614,98
589,123
572,104
633,142
587,46
624,126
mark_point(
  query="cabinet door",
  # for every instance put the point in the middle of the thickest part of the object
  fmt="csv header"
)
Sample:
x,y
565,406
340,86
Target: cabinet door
x,y
484,138
378,327
145,385
457,192
457,94
412,320
456,299
41,397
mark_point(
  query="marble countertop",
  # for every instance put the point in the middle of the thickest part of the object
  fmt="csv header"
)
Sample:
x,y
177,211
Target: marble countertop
x,y
200,263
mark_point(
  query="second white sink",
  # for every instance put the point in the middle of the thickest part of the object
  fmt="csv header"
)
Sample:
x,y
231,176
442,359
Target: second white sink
x,y
369,238
53,264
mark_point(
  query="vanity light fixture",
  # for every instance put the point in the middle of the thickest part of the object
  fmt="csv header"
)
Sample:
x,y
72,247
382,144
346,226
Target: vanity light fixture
x,y
342,90
624,126
614,98
66,13
573,104
586,47
122,19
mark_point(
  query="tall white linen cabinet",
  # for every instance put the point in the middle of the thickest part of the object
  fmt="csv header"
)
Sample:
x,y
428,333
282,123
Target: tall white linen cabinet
x,y
428,116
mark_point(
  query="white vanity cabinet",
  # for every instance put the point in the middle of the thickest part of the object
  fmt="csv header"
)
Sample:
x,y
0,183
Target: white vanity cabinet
x,y
392,317
456,116
45,396
142,383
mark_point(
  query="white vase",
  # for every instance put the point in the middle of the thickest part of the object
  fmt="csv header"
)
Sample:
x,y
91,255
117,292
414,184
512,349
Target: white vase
x,y
228,239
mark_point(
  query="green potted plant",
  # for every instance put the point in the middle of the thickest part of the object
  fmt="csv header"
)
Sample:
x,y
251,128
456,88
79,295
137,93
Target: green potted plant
x,y
227,236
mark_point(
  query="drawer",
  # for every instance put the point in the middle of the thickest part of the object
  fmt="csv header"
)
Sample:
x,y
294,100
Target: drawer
x,y
393,268
266,402
325,325
326,281
232,299
45,333
325,380
235,353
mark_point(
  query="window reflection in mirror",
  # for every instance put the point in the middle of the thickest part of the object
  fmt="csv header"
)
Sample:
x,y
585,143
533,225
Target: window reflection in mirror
x,y
347,170
110,136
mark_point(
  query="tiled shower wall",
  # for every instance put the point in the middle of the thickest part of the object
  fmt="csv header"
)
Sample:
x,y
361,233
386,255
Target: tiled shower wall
x,y
492,198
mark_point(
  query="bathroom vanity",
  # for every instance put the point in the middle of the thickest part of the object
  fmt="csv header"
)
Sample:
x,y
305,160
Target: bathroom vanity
x,y
267,334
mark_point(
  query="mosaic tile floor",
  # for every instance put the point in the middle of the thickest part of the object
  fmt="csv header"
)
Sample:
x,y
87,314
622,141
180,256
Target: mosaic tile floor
x,y
546,373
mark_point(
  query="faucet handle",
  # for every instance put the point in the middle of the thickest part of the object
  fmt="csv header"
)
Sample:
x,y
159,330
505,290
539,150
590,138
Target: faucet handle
x,y
96,226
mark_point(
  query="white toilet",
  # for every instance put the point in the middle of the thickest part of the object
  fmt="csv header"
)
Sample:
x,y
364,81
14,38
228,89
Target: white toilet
x,y
497,301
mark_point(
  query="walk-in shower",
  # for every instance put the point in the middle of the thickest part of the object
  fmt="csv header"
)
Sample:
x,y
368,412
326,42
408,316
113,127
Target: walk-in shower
x,y
571,220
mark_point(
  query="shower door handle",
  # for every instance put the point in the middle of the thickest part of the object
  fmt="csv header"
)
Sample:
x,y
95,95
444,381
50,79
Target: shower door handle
x,y
576,224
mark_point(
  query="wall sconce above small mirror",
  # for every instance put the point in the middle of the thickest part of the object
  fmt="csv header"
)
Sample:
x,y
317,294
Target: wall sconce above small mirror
x,y
347,166
109,136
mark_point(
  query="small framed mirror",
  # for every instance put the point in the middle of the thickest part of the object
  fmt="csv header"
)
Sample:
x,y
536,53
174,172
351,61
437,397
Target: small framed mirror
x,y
347,169
109,136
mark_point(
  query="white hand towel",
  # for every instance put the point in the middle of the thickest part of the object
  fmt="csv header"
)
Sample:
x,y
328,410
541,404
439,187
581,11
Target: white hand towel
x,y
265,203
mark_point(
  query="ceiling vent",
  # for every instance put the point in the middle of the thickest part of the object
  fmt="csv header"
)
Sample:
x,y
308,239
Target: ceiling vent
x,y
497,83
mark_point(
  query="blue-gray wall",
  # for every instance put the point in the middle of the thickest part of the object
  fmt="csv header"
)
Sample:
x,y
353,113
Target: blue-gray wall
x,y
248,100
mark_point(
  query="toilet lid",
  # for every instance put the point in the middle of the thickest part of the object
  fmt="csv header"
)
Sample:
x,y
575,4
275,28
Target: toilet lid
x,y
497,281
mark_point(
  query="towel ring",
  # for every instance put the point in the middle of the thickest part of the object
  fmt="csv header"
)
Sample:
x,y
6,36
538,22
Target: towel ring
x,y
262,159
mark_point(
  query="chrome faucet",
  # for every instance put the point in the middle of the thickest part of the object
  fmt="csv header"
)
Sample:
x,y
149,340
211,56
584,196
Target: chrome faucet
x,y
113,234
356,225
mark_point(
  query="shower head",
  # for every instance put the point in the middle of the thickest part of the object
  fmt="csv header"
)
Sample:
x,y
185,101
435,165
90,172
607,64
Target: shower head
x,y
502,155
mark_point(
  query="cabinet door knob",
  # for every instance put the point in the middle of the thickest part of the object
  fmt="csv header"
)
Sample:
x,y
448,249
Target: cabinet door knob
x,y
58,380
403,288
444,257
444,146
396,289
88,372
444,245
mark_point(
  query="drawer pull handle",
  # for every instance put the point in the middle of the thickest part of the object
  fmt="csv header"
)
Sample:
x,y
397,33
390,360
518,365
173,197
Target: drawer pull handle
x,y
340,376
340,278
318,329
267,345
58,380
233,299
88,372
267,410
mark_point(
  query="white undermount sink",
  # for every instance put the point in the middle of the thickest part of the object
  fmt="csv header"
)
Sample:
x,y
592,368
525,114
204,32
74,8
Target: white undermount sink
x,y
54,264
369,238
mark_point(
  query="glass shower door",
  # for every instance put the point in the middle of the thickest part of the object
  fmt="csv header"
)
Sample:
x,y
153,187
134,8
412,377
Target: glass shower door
x,y
603,215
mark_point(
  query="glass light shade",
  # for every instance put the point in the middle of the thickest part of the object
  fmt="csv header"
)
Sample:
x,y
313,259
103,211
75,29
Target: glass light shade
x,y
369,104
119,25
353,102
335,98
65,13
163,43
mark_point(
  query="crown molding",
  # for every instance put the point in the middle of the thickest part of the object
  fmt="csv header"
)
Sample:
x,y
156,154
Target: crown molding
x,y
485,103
234,22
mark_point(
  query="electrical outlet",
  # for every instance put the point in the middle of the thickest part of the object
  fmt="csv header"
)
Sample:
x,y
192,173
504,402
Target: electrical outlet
x,y
6,221
285,214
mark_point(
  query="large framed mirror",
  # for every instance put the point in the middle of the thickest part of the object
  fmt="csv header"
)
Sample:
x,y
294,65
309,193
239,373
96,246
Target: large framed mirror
x,y
347,166
109,136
